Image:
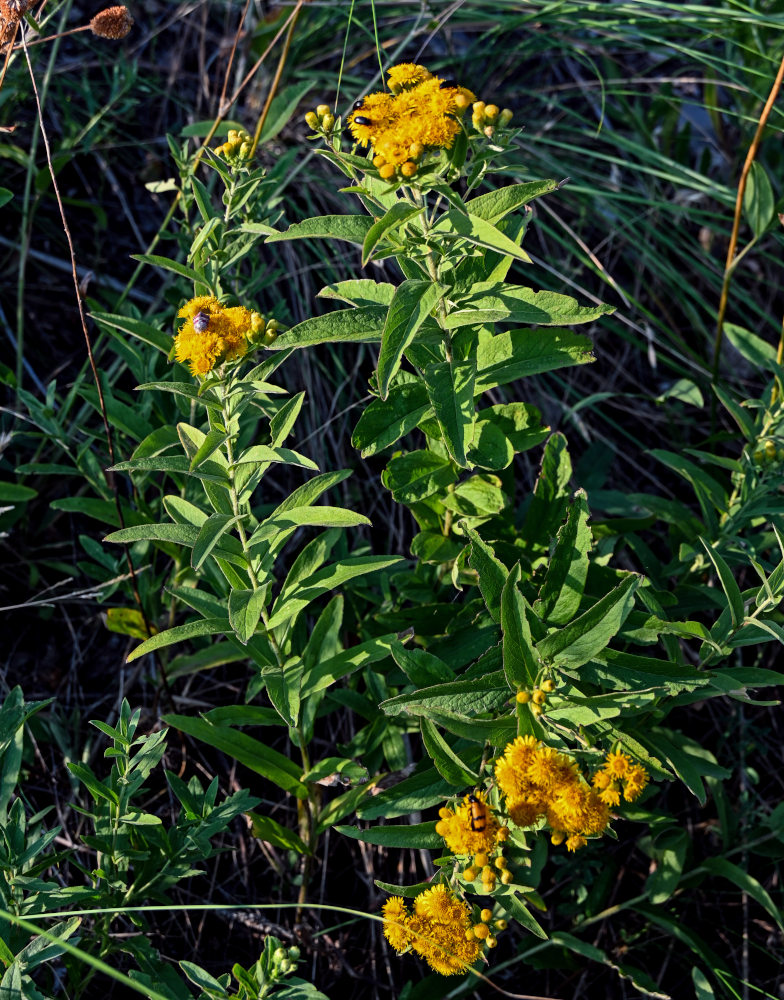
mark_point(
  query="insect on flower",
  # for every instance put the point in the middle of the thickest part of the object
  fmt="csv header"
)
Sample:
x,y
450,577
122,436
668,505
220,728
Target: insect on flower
x,y
361,120
358,104
478,814
201,321
449,82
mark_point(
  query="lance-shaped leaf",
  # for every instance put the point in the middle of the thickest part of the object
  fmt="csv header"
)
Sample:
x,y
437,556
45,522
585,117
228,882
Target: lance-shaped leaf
x,y
209,535
413,835
728,585
397,215
498,302
322,516
351,228
587,635
363,325
450,386
521,664
567,570
516,354
492,572
494,205
191,630
447,762
412,303
454,224
245,607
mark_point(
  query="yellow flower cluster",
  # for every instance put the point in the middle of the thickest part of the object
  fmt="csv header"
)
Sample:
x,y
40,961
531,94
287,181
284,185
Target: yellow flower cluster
x,y
237,148
463,832
540,782
619,772
422,112
438,928
211,334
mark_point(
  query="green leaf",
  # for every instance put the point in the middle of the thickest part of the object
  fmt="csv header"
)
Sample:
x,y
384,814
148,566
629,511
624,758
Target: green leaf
x,y
171,265
447,762
728,585
396,217
548,503
747,884
416,475
326,672
454,224
450,386
243,748
209,535
94,786
180,633
325,580
387,420
494,205
359,292
759,202
516,354
322,516
271,832
587,635
498,302
520,661
754,349
145,332
245,607
283,421
282,107
567,570
351,228
474,696
259,453
412,303
5,196
364,325
741,416
491,571
517,910
417,836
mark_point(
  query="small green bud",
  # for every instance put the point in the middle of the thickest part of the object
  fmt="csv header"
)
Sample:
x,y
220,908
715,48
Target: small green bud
x,y
245,150
505,117
328,122
322,110
278,955
770,449
312,119
286,966
294,953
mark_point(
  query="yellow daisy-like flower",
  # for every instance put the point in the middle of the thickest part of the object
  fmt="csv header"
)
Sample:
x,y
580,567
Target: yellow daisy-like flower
x,y
210,334
548,768
511,769
526,812
395,923
463,832
437,931
575,842
635,781
405,76
421,113
611,794
617,764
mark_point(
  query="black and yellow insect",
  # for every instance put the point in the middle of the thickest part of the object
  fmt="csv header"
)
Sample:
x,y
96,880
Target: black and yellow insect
x,y
478,814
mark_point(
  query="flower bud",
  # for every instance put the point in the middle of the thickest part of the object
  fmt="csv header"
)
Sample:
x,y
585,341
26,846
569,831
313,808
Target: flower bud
x,y
502,835
491,111
294,951
506,877
478,122
408,169
469,934
461,102
278,955
114,22
232,135
245,150
539,697
505,117
537,710
770,449
557,837
492,941
479,107
444,813
322,109
501,862
286,966
312,119
522,697
486,915
502,924
481,859
328,122
387,172
415,150
481,931
548,685
489,131
470,873
379,160
759,458
441,828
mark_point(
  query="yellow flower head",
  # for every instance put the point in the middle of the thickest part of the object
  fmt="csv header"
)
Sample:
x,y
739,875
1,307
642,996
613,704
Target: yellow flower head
x,y
635,781
611,794
470,828
406,75
526,812
210,334
511,769
395,923
575,842
420,113
617,764
437,931
549,769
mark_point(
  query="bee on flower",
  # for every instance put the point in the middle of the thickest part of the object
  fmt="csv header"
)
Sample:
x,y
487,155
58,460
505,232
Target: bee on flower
x,y
211,334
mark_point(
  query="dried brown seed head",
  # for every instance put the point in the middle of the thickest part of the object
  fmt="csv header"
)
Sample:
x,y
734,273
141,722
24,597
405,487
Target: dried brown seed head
x,y
114,22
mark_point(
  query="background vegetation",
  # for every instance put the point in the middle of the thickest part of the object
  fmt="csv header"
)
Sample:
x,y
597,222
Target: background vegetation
x,y
649,110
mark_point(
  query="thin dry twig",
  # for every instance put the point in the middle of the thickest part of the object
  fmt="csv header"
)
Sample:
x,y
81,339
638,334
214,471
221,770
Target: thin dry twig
x,y
729,266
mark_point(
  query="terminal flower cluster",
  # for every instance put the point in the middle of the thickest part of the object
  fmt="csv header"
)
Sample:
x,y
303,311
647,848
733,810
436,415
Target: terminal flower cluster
x,y
438,928
212,333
